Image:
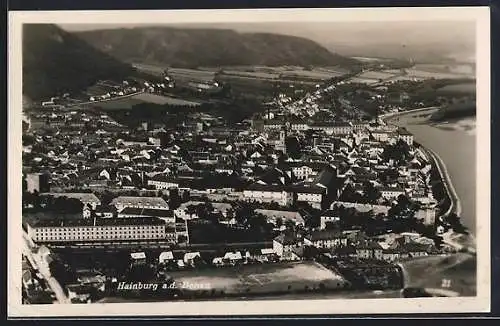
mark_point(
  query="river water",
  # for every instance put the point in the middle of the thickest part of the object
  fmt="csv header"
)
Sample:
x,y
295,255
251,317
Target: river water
x,y
455,143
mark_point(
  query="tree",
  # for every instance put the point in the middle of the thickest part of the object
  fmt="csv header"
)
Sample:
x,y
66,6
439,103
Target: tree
x,y
403,201
290,225
279,222
257,222
348,194
455,223
185,196
106,197
243,213
174,199
330,226
371,193
389,175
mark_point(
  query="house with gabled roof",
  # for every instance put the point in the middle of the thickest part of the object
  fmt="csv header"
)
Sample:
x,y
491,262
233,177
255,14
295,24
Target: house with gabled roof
x,y
166,257
273,215
284,243
163,182
86,198
139,202
369,250
325,239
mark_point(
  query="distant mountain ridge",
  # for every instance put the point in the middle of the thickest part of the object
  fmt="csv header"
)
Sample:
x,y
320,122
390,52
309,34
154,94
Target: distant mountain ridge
x,y
55,62
185,47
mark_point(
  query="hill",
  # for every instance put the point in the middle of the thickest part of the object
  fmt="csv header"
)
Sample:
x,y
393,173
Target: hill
x,y
55,61
183,47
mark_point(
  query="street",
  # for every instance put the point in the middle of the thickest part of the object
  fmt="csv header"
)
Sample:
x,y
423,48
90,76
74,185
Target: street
x,y
36,262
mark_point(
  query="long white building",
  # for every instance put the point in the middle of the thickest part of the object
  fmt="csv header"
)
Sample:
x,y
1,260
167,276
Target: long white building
x,y
99,229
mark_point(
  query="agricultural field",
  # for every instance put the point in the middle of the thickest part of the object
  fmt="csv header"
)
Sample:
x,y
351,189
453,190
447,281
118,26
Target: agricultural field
x,y
206,74
462,69
150,69
125,103
463,88
428,74
201,75
284,73
210,69
160,99
405,78
377,75
191,74
263,278
97,90
252,74
314,74
362,80
333,70
392,71
369,59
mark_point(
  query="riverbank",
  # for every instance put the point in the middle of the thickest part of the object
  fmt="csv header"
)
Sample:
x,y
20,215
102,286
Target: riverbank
x,y
431,135
467,125
455,204
447,275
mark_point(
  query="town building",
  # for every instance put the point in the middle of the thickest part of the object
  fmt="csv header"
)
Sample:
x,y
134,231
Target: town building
x,y
86,198
391,192
369,250
166,257
405,136
284,244
325,239
313,195
139,202
160,182
328,216
273,215
268,194
60,230
133,212
38,182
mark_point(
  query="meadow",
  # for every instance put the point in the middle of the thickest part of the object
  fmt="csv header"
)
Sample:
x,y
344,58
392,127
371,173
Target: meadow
x,y
419,73
161,99
129,102
463,88
462,69
263,278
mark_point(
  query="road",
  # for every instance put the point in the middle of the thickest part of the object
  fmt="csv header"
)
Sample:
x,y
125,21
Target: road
x,y
455,205
308,95
36,262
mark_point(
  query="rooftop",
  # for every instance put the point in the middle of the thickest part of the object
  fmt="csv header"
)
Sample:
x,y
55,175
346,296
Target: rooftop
x,y
58,222
147,212
286,239
84,197
128,200
324,235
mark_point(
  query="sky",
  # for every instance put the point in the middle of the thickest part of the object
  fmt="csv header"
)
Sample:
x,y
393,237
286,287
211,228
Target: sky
x,y
347,36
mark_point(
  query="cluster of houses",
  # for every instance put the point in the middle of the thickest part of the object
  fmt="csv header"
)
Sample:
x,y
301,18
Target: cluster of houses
x,y
353,244
105,90
195,259
286,161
